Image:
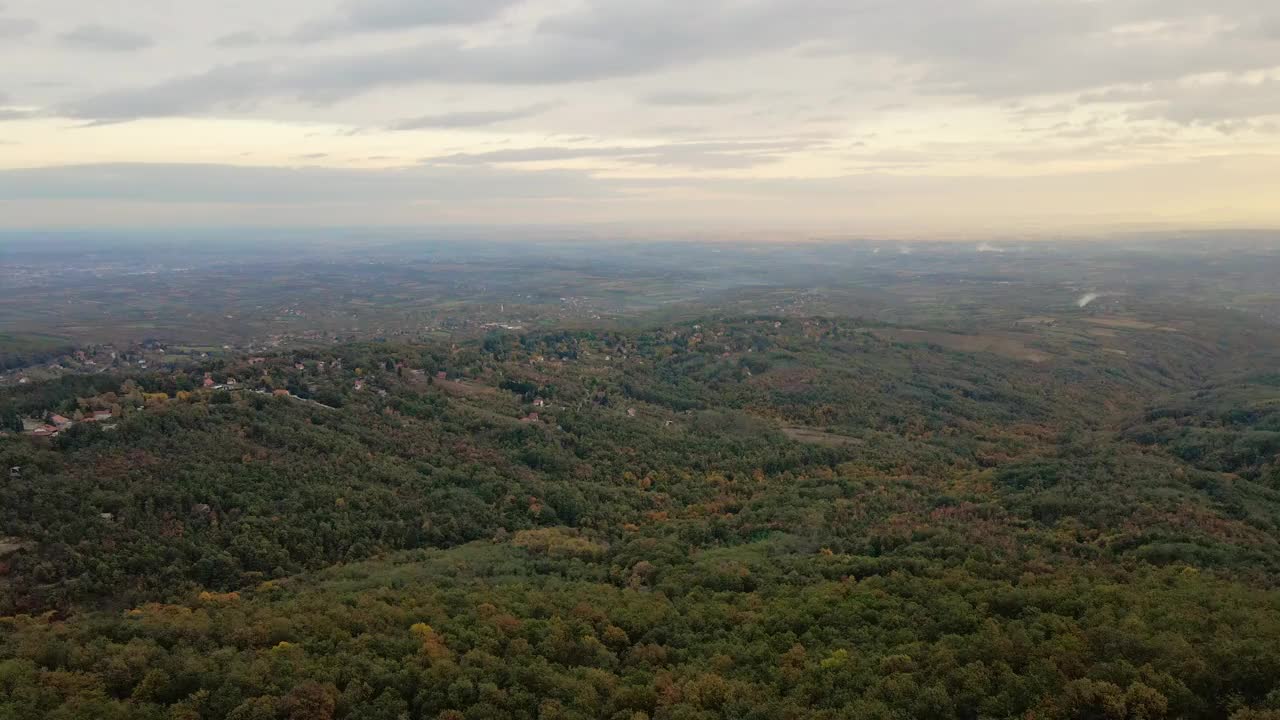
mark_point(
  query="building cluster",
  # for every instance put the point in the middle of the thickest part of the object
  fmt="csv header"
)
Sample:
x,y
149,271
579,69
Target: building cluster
x,y
56,424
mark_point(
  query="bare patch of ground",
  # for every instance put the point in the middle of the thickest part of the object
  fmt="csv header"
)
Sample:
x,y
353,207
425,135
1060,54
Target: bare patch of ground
x,y
465,389
1037,321
787,379
1124,323
11,545
818,437
995,344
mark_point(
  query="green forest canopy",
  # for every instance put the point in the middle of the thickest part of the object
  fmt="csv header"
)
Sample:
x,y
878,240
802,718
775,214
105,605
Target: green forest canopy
x,y
740,519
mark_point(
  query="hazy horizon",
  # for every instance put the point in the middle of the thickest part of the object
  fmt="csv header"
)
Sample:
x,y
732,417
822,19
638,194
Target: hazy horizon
x,y
800,119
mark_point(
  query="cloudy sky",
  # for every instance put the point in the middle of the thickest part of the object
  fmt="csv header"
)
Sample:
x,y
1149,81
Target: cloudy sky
x,y
892,117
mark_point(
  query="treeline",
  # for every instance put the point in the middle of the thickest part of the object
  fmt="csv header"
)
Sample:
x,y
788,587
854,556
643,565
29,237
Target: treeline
x,y
21,351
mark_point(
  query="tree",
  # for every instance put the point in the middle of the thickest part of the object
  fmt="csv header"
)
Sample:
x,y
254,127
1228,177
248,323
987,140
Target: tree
x,y
311,701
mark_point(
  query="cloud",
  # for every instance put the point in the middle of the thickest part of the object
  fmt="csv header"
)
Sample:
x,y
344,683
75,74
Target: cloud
x,y
681,89
364,16
1270,28
241,85
241,39
105,39
331,79
988,49
232,184
475,118
548,58
605,40
875,203
692,155
980,48
1202,104
693,98
1071,47
16,28
10,113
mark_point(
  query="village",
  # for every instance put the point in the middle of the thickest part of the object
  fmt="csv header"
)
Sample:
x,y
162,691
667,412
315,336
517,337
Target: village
x,y
106,358
55,424
303,377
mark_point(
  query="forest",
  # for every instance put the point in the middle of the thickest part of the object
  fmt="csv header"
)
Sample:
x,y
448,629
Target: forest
x,y
748,516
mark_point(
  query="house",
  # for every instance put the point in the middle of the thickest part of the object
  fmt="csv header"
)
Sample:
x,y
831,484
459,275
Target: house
x,y
60,422
100,415
46,431
531,418
208,380
539,402
442,375
359,385
281,393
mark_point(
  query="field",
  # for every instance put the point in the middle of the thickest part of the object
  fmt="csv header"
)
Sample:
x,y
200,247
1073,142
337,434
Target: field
x,y
257,296
1006,345
817,437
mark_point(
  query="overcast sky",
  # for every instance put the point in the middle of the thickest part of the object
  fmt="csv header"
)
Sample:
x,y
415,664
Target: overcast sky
x,y
843,117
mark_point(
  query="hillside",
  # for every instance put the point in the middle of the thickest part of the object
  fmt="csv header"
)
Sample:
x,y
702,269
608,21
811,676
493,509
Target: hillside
x,y
753,517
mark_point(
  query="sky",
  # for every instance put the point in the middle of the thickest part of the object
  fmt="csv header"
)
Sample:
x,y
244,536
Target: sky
x,y
906,118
